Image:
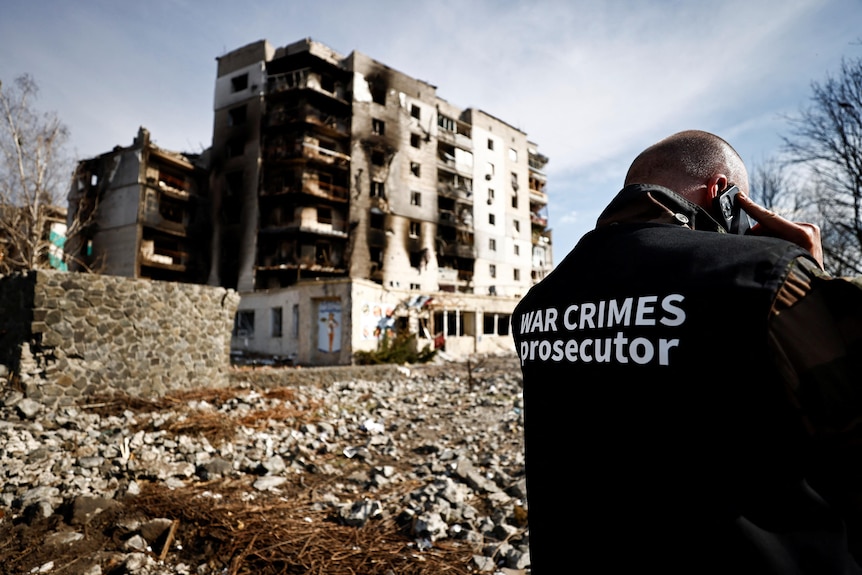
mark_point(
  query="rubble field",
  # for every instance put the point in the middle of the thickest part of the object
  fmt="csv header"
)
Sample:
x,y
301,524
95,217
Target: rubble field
x,y
419,472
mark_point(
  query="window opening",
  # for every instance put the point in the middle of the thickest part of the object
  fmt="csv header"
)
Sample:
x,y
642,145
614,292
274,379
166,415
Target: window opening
x,y
239,83
276,322
237,116
243,324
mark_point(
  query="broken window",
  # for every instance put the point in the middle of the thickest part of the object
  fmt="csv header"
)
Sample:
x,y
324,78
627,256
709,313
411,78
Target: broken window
x,y
239,83
490,195
322,252
376,221
514,181
235,147
492,219
171,210
276,319
377,87
378,190
415,229
327,83
237,116
415,168
517,249
415,140
378,158
492,270
324,215
376,256
490,144
446,123
489,324
415,198
378,127
503,322
514,200
243,323
415,111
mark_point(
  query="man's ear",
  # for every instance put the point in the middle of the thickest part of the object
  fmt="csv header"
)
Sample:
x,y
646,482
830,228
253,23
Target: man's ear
x,y
716,184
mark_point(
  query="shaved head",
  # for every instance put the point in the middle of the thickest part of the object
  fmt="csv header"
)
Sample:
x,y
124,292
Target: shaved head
x,y
686,162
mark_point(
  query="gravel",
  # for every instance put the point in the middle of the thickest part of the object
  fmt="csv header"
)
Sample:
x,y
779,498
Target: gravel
x,y
430,462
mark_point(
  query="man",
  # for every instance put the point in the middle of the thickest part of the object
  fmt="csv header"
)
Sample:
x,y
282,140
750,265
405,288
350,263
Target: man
x,y
690,394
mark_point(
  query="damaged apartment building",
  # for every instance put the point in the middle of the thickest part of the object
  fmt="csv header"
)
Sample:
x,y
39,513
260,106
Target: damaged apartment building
x,y
351,199
141,212
346,201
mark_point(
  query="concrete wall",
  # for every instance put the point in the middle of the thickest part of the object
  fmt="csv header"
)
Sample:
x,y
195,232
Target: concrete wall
x,y
66,335
359,307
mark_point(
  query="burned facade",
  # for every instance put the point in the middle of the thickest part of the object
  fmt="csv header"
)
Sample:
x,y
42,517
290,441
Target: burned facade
x,y
338,183
141,212
342,199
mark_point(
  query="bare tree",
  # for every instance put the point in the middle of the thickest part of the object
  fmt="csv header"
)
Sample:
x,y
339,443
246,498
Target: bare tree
x,y
34,176
770,185
827,139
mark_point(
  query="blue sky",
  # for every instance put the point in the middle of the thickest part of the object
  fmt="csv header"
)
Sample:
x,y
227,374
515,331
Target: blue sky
x,y
591,82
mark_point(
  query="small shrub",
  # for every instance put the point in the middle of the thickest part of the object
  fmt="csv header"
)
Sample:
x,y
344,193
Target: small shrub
x,y
399,349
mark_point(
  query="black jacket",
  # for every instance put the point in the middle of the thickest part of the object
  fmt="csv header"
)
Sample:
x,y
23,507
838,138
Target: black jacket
x,y
657,424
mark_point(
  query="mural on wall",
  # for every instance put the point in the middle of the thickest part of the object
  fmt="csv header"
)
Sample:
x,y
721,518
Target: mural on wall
x,y
329,330
377,319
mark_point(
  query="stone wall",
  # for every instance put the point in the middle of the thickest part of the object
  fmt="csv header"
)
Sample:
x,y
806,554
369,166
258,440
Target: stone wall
x,y
65,335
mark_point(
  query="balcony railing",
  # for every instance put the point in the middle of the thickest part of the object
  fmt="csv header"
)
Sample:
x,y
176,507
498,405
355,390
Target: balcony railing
x,y
308,151
334,230
311,187
538,220
162,257
538,197
458,250
457,191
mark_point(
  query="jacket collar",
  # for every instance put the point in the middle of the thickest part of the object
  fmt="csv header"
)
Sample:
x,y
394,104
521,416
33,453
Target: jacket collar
x,y
648,203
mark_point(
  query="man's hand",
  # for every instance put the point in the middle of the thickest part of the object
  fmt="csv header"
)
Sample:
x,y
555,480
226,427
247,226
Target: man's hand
x,y
803,234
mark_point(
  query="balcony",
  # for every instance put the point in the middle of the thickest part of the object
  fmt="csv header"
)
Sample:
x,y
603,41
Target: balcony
x,y
317,228
541,238
159,257
460,192
331,124
310,187
450,218
458,251
306,151
304,79
462,140
538,197
537,220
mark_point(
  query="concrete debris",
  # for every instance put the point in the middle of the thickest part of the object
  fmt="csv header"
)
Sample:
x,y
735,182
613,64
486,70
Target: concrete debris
x,y
441,458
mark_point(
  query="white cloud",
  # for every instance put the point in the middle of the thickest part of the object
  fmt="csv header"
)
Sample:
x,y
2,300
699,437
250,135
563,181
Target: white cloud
x,y
591,82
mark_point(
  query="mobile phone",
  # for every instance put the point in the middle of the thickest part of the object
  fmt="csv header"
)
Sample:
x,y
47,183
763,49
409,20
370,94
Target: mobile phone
x,y
731,215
